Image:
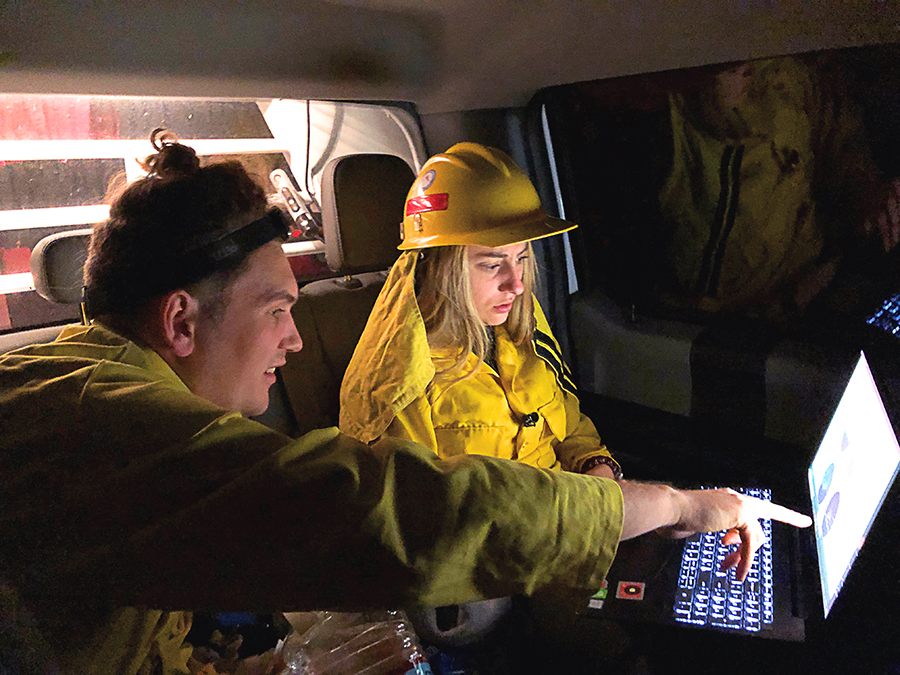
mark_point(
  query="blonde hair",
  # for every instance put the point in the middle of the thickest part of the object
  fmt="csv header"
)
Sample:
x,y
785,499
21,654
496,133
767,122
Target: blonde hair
x,y
451,317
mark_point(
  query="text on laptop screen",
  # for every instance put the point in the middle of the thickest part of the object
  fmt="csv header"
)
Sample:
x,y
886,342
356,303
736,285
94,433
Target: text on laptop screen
x,y
849,478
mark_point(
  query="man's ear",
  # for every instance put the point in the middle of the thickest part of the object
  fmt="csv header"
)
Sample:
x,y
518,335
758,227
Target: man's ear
x,y
180,315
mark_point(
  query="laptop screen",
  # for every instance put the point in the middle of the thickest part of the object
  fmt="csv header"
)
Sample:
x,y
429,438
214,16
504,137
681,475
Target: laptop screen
x,y
849,478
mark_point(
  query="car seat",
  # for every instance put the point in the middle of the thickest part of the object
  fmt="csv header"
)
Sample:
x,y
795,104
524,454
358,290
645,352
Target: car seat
x,y
362,207
57,264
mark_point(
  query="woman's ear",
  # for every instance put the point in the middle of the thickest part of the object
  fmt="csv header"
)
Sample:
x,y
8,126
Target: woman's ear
x,y
180,316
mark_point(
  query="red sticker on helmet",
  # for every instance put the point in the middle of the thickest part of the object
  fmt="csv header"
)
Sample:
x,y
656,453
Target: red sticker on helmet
x,y
436,202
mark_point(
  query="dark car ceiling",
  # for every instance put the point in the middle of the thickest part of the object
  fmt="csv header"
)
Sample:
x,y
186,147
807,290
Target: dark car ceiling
x,y
444,55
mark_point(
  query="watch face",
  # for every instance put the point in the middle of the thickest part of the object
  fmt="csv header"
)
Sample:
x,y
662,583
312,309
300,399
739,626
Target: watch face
x,y
830,513
826,483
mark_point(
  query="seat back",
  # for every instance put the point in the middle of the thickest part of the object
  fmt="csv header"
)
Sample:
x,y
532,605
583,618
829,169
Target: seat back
x,y
362,207
57,265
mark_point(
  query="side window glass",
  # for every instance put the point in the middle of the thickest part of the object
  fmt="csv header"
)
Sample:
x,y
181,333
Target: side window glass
x,y
765,190
61,155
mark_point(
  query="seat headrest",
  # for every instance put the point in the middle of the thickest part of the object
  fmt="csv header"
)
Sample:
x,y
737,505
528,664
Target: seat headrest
x,y
363,197
57,265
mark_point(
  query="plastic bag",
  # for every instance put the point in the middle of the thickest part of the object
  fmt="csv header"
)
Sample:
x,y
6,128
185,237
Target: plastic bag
x,y
341,643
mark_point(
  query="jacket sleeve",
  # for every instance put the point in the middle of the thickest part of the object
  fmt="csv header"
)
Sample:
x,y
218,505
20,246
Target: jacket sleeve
x,y
236,516
582,440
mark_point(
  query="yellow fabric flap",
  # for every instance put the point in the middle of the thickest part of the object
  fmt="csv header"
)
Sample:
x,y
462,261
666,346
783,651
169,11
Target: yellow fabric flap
x,y
391,365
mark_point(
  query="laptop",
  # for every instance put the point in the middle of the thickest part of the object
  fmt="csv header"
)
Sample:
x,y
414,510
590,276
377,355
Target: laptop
x,y
877,308
679,582
887,316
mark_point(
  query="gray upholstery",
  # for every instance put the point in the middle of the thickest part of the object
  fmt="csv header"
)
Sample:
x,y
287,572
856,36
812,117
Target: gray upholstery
x,y
362,200
57,264
362,208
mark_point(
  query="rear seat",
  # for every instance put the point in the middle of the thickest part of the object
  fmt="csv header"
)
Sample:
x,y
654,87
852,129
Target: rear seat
x,y
362,207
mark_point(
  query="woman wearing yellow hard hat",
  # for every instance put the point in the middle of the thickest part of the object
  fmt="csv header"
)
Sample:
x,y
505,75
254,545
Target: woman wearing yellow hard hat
x,y
457,354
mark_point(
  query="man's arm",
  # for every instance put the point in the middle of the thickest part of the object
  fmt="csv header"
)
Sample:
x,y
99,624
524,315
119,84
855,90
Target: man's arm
x,y
682,512
222,512
328,522
648,507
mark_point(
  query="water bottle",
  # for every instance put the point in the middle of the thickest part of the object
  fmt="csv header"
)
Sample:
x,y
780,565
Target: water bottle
x,y
342,643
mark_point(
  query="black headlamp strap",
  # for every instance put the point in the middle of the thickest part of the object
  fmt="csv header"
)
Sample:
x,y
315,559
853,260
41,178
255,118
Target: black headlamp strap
x,y
228,250
182,269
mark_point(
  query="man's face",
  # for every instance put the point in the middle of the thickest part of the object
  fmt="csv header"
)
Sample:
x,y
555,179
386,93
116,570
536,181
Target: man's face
x,y
235,357
495,277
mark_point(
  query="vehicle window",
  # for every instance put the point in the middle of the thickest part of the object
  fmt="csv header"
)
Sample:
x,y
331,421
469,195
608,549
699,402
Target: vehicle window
x,y
765,189
60,155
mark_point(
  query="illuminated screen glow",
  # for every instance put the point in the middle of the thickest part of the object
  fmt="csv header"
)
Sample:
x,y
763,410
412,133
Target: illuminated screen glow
x,y
849,478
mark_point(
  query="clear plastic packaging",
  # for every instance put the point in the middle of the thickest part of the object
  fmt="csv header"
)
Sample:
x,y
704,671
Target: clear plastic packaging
x,y
341,643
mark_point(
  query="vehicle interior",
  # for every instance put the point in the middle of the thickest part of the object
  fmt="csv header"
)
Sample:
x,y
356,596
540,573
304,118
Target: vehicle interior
x,y
335,104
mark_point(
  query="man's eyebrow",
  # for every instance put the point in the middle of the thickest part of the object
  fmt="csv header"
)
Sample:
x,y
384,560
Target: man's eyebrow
x,y
277,295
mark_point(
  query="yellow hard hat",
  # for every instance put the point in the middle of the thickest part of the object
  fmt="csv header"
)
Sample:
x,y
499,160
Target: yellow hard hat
x,y
474,195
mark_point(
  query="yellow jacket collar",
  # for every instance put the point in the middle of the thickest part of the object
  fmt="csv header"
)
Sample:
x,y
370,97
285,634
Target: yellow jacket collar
x,y
393,364
108,345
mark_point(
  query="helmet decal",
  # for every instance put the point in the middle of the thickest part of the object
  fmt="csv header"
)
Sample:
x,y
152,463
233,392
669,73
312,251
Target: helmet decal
x,y
426,180
436,202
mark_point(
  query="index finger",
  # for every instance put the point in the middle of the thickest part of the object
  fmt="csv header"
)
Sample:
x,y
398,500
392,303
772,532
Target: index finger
x,y
784,515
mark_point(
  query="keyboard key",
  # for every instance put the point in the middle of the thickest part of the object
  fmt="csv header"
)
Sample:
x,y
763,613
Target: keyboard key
x,y
709,596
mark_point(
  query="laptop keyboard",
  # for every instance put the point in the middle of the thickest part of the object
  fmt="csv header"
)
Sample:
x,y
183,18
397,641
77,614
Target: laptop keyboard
x,y
708,596
888,317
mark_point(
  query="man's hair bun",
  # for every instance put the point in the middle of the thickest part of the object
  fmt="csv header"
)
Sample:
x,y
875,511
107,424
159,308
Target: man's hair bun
x,y
172,158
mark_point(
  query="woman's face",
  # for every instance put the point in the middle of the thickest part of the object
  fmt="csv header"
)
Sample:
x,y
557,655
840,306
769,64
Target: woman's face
x,y
495,277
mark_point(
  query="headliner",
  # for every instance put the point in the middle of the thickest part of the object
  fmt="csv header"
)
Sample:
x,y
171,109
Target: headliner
x,y
443,55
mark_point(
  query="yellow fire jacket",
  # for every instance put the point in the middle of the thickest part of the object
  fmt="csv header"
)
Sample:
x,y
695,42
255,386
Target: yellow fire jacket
x,y
127,500
526,409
